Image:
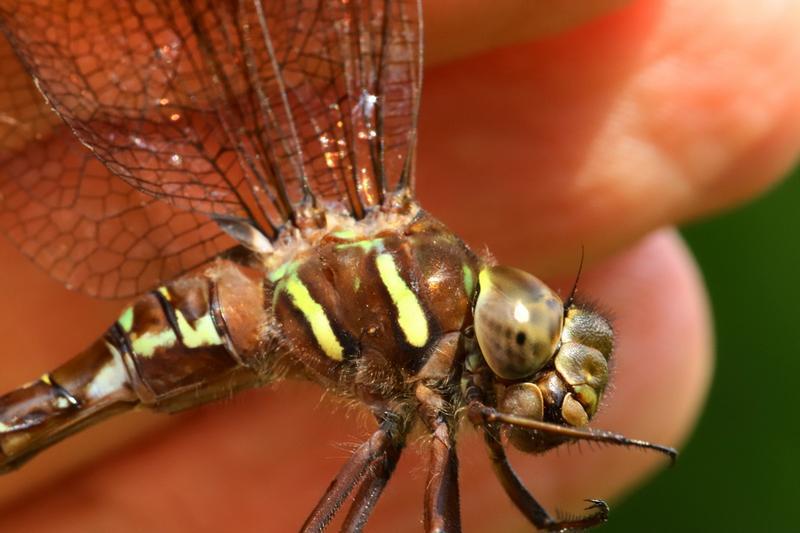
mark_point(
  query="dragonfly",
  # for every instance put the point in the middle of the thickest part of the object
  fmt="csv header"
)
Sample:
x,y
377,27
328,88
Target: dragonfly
x,y
245,171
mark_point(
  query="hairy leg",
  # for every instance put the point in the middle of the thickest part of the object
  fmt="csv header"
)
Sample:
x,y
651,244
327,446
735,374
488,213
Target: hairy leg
x,y
384,440
372,487
522,497
442,504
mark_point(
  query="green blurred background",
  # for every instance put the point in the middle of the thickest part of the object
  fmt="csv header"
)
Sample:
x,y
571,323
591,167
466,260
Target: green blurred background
x,y
741,469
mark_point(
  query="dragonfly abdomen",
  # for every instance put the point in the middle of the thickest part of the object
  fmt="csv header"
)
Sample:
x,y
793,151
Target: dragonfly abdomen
x,y
188,342
88,388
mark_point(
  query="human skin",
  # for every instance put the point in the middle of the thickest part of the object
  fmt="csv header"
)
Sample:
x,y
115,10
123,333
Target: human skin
x,y
585,130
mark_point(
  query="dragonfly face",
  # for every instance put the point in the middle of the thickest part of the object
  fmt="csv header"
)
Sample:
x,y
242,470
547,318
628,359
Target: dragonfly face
x,y
247,171
555,360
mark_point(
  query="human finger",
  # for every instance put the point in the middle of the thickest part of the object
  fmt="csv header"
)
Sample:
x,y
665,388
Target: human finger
x,y
657,113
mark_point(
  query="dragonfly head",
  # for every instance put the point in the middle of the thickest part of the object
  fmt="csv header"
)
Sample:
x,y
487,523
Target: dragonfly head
x,y
550,363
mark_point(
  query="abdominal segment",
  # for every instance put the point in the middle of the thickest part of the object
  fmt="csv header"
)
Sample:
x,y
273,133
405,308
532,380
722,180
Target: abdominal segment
x,y
189,342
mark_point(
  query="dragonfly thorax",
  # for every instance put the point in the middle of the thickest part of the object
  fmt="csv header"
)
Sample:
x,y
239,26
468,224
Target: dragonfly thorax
x,y
373,303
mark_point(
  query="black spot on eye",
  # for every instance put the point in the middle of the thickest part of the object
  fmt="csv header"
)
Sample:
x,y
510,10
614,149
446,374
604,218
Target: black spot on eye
x,y
520,338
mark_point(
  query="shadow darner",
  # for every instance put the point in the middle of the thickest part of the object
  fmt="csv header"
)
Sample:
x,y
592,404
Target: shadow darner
x,y
247,170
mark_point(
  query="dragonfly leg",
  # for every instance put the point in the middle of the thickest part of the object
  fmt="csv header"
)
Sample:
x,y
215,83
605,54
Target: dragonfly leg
x,y
360,465
524,500
442,505
372,487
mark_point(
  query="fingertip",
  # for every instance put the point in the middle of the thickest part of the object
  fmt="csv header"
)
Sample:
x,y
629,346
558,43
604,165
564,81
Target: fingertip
x,y
659,112
454,29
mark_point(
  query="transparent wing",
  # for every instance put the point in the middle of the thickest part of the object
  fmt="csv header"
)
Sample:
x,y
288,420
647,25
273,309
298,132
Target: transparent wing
x,y
238,110
228,111
68,213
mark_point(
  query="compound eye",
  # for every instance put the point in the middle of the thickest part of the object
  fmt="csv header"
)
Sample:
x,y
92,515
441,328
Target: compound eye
x,y
518,321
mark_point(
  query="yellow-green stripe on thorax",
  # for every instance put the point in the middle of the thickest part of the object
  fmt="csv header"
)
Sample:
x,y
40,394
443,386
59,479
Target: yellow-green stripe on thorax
x,y
410,315
287,280
373,274
469,279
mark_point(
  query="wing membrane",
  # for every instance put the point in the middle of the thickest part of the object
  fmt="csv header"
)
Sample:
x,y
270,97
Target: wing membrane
x,y
226,110
65,210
